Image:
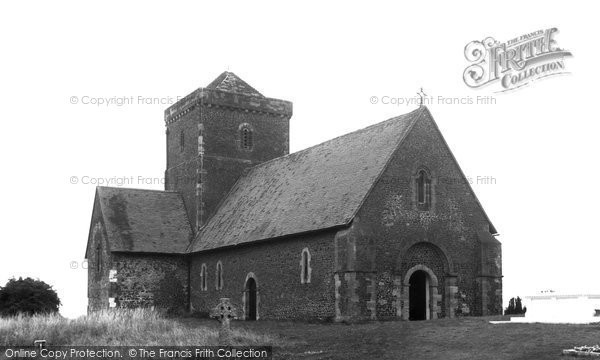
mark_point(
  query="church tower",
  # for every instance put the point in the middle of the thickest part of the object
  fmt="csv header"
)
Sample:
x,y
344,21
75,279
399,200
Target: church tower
x,y
214,135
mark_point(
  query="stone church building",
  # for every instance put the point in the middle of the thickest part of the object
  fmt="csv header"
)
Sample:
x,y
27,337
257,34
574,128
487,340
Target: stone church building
x,y
380,223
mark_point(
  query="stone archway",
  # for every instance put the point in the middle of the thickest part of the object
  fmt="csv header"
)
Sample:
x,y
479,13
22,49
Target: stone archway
x,y
420,284
250,298
441,290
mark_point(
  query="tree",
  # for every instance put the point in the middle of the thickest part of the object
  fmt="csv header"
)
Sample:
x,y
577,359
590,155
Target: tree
x,y
510,310
518,306
27,296
515,307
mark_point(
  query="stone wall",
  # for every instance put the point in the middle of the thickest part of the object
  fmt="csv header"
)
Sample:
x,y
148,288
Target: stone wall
x,y
130,280
355,278
99,262
220,116
357,273
392,233
490,274
147,280
276,267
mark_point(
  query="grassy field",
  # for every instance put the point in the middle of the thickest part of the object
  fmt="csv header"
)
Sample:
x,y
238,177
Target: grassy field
x,y
117,328
447,339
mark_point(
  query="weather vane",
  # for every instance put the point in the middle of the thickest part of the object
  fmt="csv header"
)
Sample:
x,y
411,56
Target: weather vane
x,y
422,96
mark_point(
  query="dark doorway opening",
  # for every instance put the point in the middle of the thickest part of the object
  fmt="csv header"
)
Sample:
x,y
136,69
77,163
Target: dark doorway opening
x,y
417,296
251,299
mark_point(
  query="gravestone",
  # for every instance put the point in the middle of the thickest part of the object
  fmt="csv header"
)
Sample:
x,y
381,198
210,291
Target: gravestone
x,y
224,312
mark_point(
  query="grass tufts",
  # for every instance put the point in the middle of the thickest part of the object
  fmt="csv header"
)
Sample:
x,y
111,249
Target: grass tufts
x,y
120,327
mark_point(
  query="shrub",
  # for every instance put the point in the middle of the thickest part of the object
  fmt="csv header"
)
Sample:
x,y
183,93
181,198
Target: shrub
x,y
515,307
27,296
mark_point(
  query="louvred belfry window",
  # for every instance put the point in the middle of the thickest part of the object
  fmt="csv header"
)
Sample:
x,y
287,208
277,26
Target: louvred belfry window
x,y
246,138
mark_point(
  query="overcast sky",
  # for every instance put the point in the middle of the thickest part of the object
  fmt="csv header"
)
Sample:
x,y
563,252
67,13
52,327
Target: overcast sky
x,y
539,143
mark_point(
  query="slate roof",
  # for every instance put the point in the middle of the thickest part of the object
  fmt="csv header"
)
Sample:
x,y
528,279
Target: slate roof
x,y
316,188
231,83
138,220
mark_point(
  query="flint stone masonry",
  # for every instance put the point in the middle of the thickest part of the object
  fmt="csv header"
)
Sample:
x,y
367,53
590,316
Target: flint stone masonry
x,y
138,281
446,239
276,266
353,202
151,280
223,161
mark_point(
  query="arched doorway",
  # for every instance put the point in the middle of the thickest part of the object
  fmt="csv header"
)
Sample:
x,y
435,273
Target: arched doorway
x,y
438,283
418,296
251,299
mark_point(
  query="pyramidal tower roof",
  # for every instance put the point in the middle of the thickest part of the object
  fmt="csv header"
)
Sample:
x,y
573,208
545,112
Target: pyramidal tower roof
x,y
228,91
231,83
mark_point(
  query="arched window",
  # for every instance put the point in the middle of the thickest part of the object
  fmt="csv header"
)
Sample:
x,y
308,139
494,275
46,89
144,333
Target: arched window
x,y
181,141
98,258
219,276
423,189
246,137
305,269
203,275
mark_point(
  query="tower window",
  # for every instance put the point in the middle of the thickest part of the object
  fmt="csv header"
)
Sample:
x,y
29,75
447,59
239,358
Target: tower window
x,y
181,141
203,275
219,277
305,269
246,137
423,189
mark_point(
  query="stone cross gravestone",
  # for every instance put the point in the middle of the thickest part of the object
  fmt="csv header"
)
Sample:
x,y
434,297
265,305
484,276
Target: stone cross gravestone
x,y
224,312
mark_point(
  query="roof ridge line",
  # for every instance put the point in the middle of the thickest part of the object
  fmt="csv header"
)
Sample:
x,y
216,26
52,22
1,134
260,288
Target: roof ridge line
x,y
140,220
421,110
225,77
393,131
335,138
492,228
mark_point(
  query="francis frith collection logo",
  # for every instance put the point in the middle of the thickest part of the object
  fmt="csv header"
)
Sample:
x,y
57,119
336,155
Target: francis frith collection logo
x,y
516,62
